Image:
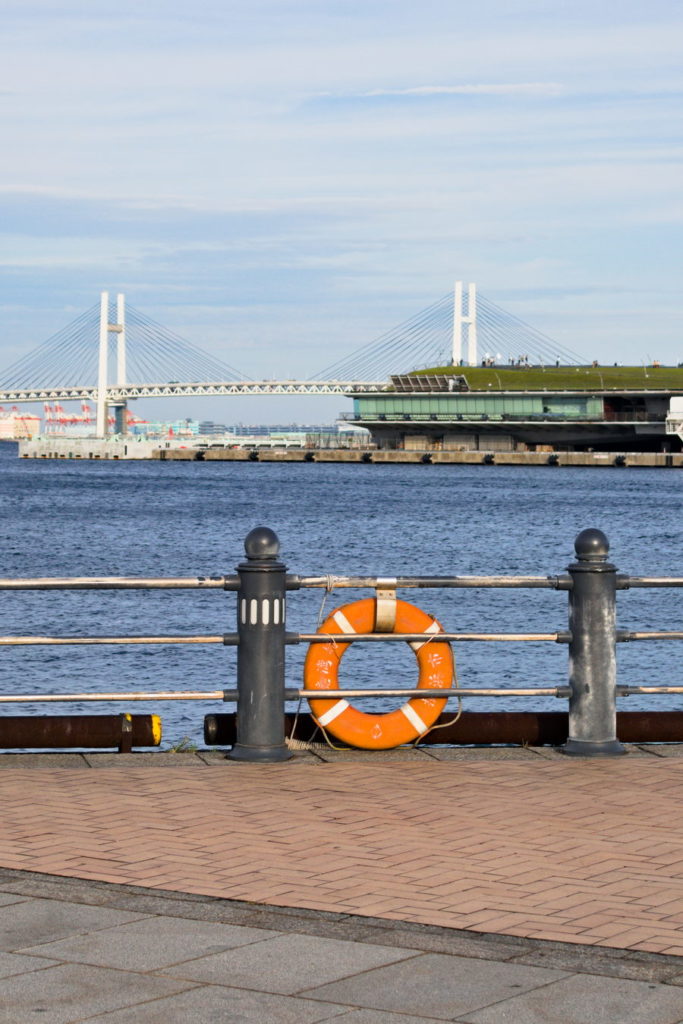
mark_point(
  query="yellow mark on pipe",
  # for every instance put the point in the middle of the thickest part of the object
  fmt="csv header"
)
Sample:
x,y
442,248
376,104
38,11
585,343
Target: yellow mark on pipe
x,y
156,730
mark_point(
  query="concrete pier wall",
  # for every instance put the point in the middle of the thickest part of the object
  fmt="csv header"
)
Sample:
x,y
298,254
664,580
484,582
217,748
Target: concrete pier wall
x,y
116,447
176,451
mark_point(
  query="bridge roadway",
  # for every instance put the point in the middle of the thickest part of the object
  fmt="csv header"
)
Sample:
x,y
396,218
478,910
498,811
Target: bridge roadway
x,y
175,389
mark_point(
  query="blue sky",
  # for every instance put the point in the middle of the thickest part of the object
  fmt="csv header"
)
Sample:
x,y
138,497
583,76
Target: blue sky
x,y
281,182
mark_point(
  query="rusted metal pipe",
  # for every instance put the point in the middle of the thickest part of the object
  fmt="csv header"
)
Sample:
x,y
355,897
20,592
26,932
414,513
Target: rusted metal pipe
x,y
87,731
523,728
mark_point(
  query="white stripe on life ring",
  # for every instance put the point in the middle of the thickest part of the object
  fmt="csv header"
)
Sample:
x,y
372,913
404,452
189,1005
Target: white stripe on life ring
x,y
343,622
334,712
417,644
414,719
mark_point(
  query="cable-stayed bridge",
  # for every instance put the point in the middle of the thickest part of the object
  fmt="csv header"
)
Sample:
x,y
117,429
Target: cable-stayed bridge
x,y
113,353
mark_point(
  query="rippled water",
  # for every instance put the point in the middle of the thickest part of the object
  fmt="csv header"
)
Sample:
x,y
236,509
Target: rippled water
x,y
188,519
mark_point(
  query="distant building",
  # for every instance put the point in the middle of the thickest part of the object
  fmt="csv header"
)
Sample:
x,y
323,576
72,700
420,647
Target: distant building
x,y
207,428
164,428
15,426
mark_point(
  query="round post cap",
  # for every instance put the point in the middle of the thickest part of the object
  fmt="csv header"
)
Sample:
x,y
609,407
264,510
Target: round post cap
x,y
591,545
261,542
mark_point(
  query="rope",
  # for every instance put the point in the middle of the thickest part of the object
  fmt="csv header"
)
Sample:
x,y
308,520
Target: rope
x,y
329,587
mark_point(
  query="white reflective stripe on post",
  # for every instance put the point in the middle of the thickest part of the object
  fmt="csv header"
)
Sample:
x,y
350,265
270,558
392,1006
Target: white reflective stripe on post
x,y
343,622
265,611
276,613
253,611
414,719
334,712
417,644
243,611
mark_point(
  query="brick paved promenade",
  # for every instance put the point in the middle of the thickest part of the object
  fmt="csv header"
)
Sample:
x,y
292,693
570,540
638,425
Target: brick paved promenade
x,y
517,843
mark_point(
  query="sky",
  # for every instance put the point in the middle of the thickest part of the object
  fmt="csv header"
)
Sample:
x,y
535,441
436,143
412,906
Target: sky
x,y
282,181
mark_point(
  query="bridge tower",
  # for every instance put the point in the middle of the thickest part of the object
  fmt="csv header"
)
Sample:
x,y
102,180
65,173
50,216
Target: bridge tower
x,y
106,328
465,319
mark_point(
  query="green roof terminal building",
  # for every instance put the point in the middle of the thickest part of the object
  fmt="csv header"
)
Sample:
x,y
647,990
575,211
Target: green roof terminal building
x,y
528,408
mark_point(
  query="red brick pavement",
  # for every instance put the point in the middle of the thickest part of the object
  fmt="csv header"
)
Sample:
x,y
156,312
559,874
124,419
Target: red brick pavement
x,y
579,851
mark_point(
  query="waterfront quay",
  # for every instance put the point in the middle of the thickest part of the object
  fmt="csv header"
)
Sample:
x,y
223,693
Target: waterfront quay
x,y
297,881
132,448
480,885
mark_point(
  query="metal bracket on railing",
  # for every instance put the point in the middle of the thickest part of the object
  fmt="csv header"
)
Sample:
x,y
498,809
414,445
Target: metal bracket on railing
x,y
562,582
385,604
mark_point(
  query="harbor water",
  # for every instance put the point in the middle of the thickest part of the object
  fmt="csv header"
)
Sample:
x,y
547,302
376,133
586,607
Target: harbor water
x,y
80,518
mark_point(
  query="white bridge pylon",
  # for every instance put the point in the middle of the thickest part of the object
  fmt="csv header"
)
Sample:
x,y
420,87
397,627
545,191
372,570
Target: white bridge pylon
x,y
465,319
118,328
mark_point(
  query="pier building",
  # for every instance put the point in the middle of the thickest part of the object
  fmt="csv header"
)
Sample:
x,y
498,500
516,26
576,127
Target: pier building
x,y
528,408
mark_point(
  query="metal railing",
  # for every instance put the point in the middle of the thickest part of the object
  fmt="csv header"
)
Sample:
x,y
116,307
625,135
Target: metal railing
x,y
261,584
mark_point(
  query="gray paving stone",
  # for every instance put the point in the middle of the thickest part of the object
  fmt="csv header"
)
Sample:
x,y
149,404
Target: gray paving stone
x,y
555,753
71,992
217,1005
33,921
663,749
593,960
453,943
436,985
586,999
380,1017
15,963
42,761
288,964
375,756
482,753
213,756
143,759
150,944
220,912
71,890
6,898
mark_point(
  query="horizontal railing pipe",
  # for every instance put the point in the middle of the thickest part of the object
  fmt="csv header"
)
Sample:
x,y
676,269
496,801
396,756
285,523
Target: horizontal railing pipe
x,y
625,636
631,582
629,691
56,698
427,582
426,693
433,638
119,583
261,584
290,694
80,641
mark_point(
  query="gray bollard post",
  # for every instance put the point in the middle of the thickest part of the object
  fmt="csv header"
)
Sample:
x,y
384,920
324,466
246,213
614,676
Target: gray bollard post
x,y
261,651
592,650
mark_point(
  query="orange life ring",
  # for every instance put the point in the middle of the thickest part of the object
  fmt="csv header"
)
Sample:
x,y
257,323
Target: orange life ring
x,y
391,729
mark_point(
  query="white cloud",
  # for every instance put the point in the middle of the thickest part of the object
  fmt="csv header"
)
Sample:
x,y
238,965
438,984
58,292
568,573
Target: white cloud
x,y
481,89
281,162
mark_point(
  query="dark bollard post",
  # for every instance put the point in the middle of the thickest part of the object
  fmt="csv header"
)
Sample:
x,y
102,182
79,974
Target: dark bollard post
x,y
261,651
592,650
